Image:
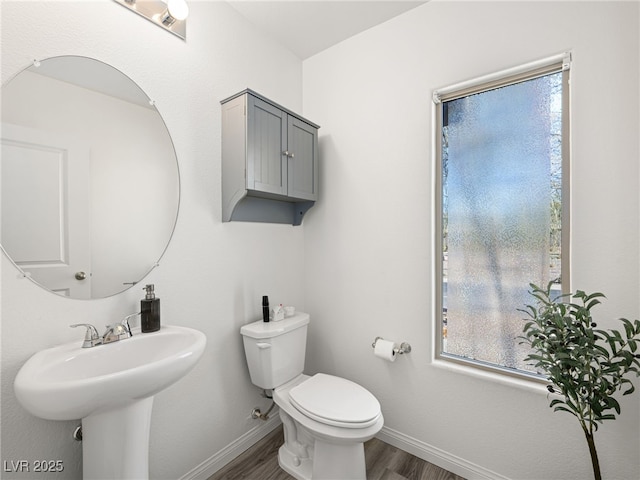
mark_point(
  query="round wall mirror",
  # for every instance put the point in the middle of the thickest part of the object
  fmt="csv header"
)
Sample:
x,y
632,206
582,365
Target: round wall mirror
x,y
89,178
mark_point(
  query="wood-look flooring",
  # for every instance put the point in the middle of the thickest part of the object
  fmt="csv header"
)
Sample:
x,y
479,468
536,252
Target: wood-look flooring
x,y
384,462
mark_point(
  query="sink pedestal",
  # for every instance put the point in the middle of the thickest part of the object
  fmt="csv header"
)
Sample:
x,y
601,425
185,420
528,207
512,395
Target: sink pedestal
x,y
115,443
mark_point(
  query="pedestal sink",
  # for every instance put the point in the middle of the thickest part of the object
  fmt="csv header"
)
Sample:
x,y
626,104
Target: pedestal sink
x,y
111,388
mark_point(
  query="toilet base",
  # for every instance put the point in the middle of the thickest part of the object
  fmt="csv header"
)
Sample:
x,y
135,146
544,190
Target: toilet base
x,y
299,468
308,458
331,462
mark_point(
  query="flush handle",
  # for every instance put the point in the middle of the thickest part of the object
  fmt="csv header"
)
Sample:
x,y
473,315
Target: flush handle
x,y
263,345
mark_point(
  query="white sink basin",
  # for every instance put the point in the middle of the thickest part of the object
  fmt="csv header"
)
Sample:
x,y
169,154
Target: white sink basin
x,y
70,382
111,388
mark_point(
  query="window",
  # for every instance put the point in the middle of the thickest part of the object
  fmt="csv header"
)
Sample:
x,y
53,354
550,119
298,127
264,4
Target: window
x,y
502,202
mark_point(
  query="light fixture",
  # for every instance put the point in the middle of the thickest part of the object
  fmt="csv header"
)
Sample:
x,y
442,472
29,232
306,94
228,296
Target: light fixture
x,y
170,15
177,10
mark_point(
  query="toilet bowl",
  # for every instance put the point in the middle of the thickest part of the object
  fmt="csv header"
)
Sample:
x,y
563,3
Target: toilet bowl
x,y
326,419
325,433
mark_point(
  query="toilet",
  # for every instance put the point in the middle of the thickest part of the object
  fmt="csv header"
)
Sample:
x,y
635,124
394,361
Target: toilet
x,y
326,419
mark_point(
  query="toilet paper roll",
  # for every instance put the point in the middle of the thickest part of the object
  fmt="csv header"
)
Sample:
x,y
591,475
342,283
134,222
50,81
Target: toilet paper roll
x,y
385,350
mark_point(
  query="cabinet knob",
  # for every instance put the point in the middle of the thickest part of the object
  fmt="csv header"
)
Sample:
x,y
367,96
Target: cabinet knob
x,y
288,153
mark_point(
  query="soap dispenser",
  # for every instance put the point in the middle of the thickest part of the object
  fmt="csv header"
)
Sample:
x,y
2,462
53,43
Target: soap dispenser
x,y
150,311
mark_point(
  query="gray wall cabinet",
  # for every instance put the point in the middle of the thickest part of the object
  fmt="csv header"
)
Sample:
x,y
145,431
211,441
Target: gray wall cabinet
x,y
269,161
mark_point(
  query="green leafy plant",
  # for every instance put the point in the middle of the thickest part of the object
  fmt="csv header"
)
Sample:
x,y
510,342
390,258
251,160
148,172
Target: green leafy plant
x,y
585,366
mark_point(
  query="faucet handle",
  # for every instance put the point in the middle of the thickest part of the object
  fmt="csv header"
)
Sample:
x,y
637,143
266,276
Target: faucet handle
x,y
125,323
90,336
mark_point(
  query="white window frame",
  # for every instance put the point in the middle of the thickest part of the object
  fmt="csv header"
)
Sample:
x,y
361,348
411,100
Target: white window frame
x,y
556,63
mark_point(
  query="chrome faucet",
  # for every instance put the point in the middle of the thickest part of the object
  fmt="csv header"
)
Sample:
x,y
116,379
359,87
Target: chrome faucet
x,y
114,333
91,337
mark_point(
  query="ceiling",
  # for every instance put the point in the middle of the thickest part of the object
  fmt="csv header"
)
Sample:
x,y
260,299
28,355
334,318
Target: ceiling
x,y
307,27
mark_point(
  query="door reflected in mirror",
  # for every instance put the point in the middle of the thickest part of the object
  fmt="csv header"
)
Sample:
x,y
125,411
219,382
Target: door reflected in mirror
x,y
89,178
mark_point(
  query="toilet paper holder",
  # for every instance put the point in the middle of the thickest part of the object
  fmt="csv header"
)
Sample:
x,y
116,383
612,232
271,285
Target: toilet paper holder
x,y
403,348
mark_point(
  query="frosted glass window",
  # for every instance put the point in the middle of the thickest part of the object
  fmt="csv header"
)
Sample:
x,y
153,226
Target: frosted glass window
x,y
501,190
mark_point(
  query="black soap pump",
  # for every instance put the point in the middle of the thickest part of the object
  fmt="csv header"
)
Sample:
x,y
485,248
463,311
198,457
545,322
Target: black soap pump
x,y
150,311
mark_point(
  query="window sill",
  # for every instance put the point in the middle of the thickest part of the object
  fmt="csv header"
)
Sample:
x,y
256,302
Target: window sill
x,y
534,385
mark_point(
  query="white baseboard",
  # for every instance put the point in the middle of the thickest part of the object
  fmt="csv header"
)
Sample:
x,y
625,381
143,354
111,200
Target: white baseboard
x,y
219,459
436,456
399,440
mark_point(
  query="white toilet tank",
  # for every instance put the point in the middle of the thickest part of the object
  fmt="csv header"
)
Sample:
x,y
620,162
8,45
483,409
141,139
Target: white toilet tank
x,y
275,351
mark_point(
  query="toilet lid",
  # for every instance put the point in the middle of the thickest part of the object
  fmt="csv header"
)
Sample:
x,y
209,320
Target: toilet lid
x,y
335,401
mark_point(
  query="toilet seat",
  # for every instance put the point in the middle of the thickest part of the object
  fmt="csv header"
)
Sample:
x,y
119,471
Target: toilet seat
x,y
335,401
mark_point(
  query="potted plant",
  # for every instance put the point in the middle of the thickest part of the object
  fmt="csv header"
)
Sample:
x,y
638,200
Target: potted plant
x,y
585,366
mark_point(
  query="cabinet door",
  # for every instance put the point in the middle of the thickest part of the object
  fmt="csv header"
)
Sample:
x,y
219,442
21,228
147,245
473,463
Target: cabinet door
x,y
267,137
302,168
